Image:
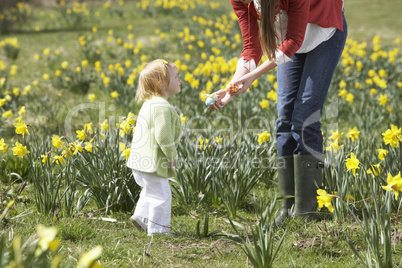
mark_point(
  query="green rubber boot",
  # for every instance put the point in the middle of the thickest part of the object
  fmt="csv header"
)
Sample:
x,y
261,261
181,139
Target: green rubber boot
x,y
285,165
308,176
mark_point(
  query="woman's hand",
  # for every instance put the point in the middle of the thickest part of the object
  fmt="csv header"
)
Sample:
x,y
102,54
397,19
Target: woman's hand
x,y
244,82
223,98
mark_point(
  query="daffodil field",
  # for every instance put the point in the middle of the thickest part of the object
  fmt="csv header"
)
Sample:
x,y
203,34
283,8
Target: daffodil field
x,y
68,77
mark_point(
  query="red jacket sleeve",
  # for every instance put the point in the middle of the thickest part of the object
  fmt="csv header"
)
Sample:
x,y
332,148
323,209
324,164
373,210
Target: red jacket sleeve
x,y
248,22
298,16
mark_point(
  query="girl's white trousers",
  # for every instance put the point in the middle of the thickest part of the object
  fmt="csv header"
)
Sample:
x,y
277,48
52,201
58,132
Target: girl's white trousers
x,y
155,201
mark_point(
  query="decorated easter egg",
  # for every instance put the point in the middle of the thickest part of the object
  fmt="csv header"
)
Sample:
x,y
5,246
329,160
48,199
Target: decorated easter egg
x,y
211,100
232,88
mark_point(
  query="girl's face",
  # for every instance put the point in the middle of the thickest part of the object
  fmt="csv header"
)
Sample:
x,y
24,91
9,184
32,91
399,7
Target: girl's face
x,y
174,86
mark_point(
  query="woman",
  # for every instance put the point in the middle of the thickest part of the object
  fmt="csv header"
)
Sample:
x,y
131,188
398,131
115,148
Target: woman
x,y
305,40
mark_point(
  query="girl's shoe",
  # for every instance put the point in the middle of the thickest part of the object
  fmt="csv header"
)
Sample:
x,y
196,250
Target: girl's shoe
x,y
140,223
164,231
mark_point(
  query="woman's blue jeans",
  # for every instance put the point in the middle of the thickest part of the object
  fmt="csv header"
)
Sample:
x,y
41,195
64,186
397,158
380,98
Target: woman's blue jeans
x,y
302,96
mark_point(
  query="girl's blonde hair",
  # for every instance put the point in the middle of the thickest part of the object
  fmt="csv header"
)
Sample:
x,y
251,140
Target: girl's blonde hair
x,y
154,78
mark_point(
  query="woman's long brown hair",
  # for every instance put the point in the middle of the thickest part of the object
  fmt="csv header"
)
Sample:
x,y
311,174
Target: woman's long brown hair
x,y
268,34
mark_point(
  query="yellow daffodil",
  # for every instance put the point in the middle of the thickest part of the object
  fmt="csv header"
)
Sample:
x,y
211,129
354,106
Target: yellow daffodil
x,y
122,146
130,118
272,95
20,150
392,136
91,97
21,128
335,136
8,114
255,83
324,198
44,158
383,99
264,104
84,63
125,151
346,197
88,259
88,146
16,91
218,140
382,153
333,146
106,80
382,73
3,146
81,134
350,97
104,125
375,169
74,148
88,127
203,144
183,119
353,134
57,73
203,95
22,110
124,128
342,93
371,73
373,91
114,94
394,184
263,137
352,163
64,64
58,159
47,239
56,141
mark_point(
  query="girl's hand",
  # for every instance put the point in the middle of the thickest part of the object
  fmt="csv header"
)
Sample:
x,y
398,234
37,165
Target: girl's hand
x,y
244,82
172,164
223,98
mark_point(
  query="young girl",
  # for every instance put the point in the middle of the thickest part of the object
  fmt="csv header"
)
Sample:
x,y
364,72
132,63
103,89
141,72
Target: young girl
x,y
153,149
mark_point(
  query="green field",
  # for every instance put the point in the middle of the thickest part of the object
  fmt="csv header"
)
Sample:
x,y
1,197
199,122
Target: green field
x,y
369,18
232,179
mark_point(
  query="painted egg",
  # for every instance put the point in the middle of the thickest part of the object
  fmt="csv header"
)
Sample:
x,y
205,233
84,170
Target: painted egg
x,y
232,88
210,101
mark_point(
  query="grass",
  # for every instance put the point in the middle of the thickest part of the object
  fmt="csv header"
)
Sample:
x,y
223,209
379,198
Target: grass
x,y
373,17
320,244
